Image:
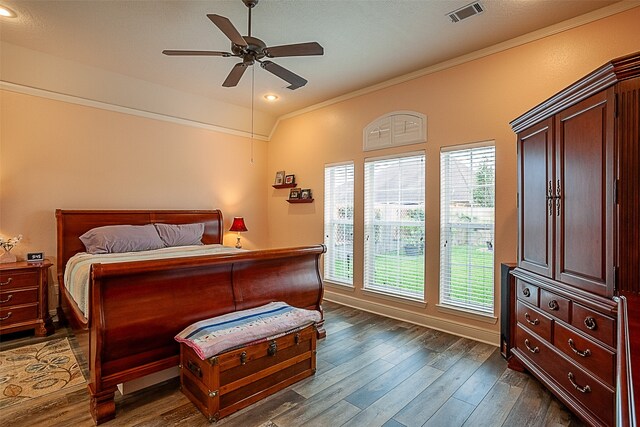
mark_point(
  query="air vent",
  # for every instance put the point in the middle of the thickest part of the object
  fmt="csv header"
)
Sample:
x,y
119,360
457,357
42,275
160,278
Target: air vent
x,y
466,12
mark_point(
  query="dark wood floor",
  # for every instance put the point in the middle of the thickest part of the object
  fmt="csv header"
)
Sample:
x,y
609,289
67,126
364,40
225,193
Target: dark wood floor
x,y
372,371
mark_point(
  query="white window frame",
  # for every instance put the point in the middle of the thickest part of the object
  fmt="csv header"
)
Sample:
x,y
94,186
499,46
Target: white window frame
x,y
394,247
338,215
471,242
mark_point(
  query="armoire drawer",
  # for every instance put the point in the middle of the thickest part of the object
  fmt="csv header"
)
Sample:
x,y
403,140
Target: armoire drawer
x,y
527,292
587,353
583,387
555,305
592,323
534,320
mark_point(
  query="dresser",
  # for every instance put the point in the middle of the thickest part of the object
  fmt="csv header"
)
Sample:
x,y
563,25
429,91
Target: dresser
x,y
24,298
578,235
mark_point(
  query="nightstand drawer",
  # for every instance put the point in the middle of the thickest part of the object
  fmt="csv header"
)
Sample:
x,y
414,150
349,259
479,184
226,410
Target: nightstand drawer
x,y
18,279
587,353
535,321
594,324
18,297
19,314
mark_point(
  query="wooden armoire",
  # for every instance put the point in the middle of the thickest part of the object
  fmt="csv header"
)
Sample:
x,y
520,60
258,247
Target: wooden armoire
x,y
578,235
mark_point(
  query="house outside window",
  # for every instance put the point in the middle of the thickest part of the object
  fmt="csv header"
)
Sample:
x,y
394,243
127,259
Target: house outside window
x,y
338,223
467,217
394,225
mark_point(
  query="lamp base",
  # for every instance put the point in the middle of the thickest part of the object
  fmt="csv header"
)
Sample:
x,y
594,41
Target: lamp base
x,y
238,245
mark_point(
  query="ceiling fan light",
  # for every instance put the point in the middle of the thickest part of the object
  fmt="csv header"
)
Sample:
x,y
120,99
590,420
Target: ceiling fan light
x,y
6,12
271,97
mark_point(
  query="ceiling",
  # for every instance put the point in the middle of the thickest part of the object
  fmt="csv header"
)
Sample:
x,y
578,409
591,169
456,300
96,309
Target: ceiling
x,y
365,41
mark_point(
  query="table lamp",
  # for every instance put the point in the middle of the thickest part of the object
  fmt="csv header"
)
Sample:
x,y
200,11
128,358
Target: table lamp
x,y
238,225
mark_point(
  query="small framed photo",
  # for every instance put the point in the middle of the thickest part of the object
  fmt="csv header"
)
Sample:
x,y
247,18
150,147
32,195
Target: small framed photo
x,y
294,193
305,193
279,178
290,179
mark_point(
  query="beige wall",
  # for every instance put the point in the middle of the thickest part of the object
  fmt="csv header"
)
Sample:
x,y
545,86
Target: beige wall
x,y
467,103
55,154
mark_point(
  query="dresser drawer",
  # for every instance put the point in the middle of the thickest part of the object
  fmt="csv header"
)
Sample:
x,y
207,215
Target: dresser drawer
x,y
596,397
587,353
18,279
13,315
527,292
534,320
595,324
18,297
555,305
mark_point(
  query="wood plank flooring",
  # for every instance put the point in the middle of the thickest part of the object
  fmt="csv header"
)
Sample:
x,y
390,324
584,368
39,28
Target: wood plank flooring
x,y
372,371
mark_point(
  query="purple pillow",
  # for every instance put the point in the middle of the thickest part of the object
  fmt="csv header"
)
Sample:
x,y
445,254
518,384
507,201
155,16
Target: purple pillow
x,y
121,238
180,234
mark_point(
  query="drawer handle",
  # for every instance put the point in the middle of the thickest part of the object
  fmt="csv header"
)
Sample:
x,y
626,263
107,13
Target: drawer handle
x,y
6,300
526,292
585,353
9,280
590,323
585,389
7,316
528,319
195,369
532,350
553,304
243,358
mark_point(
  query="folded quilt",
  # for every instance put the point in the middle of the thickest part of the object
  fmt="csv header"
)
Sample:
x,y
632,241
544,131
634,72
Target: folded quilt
x,y
229,331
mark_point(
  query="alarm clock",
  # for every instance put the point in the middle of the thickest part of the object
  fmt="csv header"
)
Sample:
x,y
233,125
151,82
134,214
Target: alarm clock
x,y
35,257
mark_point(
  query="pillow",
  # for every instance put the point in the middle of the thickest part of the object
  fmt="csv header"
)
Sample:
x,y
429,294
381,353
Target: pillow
x,y
121,238
180,235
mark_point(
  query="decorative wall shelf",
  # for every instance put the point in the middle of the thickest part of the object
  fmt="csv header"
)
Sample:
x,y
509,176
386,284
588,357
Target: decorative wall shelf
x,y
292,185
299,200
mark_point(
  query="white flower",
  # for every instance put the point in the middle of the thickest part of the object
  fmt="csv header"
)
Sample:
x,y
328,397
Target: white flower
x,y
8,244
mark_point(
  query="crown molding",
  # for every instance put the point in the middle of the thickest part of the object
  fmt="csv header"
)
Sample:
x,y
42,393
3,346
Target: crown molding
x,y
56,96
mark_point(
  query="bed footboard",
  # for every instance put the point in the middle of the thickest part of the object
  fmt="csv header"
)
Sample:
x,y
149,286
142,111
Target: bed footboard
x,y
138,307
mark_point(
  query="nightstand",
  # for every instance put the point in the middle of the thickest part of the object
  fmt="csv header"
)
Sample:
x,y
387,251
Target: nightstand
x,y
24,297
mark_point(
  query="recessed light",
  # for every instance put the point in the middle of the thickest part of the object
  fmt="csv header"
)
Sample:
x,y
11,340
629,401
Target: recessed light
x,y
271,97
6,12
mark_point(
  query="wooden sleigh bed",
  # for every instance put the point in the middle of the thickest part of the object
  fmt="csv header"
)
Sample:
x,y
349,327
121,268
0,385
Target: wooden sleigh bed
x,y
136,308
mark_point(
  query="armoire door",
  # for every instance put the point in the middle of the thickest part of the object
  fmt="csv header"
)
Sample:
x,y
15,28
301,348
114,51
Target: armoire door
x,y
535,198
584,181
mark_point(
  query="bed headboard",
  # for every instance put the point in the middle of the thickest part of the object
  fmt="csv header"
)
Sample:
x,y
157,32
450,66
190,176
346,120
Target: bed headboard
x,y
72,224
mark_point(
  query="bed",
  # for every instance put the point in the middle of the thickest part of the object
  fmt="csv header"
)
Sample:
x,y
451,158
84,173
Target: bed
x,y
136,308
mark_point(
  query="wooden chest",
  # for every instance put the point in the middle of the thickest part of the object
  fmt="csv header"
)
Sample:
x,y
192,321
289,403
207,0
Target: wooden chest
x,y
230,381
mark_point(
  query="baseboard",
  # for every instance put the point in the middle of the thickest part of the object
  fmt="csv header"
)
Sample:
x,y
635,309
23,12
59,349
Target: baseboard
x,y
454,328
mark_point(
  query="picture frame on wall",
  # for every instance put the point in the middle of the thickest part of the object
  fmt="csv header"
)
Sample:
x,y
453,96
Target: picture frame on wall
x,y
279,178
289,179
294,194
305,193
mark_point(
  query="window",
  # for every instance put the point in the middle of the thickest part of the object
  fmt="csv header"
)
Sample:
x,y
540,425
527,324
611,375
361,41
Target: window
x,y
467,191
338,223
394,225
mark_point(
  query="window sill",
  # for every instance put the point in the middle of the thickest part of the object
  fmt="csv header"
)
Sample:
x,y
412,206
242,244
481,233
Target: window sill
x,y
396,298
481,317
338,285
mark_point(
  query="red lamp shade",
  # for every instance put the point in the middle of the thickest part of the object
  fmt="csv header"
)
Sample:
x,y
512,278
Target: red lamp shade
x,y
238,224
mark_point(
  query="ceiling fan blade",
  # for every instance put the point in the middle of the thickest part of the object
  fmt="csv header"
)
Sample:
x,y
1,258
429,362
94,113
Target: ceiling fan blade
x,y
234,76
196,53
300,49
227,28
295,80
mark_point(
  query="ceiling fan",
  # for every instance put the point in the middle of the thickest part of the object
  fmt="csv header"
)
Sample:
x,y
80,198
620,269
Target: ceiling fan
x,y
251,49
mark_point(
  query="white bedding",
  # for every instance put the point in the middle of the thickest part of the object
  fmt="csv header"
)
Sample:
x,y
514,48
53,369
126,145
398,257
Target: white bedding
x,y
76,273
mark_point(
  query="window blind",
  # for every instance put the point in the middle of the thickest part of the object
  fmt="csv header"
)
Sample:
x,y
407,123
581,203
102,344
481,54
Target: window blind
x,y
394,225
467,228
338,223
